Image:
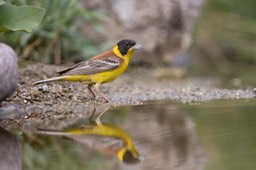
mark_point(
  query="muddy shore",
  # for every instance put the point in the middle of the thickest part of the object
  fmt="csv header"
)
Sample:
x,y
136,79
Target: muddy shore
x,y
136,86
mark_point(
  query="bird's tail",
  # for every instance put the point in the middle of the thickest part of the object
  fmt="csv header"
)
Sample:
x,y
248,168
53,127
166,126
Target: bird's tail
x,y
50,80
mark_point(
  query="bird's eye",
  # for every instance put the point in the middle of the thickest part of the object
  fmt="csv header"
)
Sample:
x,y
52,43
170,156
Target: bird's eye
x,y
127,44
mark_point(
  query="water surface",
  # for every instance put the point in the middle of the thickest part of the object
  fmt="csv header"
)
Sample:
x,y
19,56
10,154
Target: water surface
x,y
165,135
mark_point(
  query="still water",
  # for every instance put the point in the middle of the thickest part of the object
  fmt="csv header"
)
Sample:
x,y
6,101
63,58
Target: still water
x,y
156,135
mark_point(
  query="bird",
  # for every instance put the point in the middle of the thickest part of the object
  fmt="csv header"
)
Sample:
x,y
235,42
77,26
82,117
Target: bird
x,y
102,68
105,138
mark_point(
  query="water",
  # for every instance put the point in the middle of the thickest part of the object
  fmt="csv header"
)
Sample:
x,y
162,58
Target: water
x,y
227,130
165,135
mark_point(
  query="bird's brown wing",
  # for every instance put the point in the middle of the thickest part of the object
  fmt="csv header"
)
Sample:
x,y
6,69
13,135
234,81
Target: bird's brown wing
x,y
102,143
103,62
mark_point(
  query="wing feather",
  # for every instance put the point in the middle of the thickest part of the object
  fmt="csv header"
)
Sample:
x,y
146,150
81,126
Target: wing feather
x,y
101,142
93,66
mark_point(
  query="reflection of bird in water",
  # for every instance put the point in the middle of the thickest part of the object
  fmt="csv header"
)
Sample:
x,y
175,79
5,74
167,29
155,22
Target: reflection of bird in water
x,y
104,138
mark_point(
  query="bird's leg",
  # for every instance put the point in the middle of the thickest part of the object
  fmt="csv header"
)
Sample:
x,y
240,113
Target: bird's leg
x,y
96,87
93,112
97,120
90,90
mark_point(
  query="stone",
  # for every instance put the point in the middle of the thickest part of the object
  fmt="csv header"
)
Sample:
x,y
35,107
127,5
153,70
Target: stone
x,y
8,71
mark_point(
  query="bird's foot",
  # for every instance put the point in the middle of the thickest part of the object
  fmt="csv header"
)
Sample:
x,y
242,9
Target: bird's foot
x,y
103,99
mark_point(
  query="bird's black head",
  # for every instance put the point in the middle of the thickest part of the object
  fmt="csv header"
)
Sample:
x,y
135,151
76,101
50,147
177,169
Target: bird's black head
x,y
125,45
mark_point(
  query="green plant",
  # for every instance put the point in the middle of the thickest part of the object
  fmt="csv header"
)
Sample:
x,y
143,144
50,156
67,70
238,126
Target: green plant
x,y
19,18
58,38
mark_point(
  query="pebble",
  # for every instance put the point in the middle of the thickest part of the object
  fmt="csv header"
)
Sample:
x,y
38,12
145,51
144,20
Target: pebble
x,y
71,87
45,88
65,90
254,89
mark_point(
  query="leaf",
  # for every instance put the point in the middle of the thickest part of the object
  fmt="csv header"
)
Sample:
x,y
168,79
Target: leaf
x,y
2,2
23,18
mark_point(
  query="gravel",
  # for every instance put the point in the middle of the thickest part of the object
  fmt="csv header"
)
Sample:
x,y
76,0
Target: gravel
x,y
66,100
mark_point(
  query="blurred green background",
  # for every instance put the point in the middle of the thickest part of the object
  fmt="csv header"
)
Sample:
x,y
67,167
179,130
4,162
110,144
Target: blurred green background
x,y
224,40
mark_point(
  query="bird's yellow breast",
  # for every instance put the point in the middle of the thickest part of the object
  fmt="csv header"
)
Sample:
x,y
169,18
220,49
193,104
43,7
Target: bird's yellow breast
x,y
111,75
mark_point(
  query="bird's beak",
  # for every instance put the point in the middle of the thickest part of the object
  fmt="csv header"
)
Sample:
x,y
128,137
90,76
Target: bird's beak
x,y
137,47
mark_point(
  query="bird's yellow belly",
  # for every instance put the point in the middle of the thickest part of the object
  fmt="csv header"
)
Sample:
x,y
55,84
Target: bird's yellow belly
x,y
107,76
99,78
